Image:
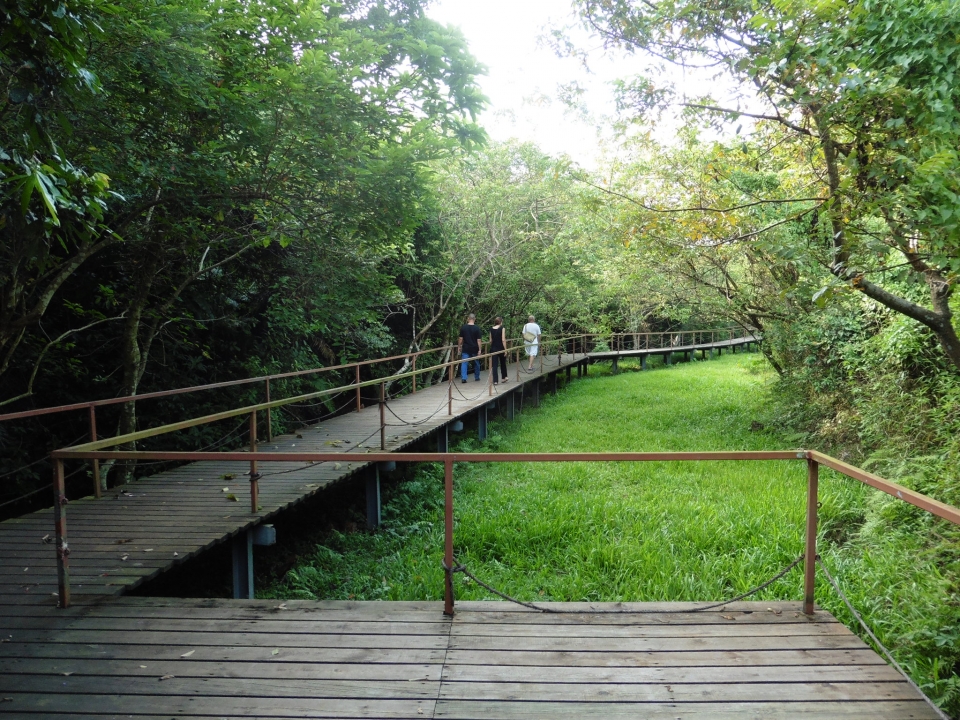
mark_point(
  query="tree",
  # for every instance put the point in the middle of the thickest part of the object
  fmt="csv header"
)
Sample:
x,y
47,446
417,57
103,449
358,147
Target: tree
x,y
870,88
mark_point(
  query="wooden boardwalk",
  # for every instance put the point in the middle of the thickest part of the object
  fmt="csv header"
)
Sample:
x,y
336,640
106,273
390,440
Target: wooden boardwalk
x,y
138,531
112,656
152,658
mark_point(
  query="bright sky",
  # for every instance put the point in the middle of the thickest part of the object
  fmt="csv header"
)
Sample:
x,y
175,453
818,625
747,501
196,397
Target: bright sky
x,y
524,75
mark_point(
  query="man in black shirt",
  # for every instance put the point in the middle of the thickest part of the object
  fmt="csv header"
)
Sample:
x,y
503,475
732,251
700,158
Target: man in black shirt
x,y
468,345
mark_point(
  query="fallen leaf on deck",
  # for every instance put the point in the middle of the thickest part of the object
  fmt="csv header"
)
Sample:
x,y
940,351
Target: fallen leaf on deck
x,y
46,539
67,674
124,557
167,677
227,476
232,497
276,651
188,654
282,606
225,490
176,554
728,617
125,541
336,466
299,436
143,667
148,550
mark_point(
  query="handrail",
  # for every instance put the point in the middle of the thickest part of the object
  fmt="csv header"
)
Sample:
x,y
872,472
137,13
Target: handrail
x,y
512,345
812,458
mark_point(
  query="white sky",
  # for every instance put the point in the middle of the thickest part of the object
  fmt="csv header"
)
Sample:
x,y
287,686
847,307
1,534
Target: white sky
x,y
523,74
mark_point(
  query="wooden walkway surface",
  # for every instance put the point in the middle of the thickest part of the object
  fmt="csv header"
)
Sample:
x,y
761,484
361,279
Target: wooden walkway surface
x,y
112,656
153,658
138,531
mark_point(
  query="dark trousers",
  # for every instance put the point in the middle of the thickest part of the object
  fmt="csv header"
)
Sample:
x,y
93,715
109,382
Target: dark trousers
x,y
501,358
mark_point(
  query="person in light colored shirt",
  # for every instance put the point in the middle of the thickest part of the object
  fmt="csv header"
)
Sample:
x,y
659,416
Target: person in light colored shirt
x,y
531,339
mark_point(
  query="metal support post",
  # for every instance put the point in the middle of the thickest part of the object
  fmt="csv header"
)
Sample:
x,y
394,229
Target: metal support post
x,y
373,496
643,362
482,422
243,566
553,383
536,392
383,419
443,439
669,358
448,537
616,365
511,405
60,528
586,367
810,553
569,371
95,464
254,475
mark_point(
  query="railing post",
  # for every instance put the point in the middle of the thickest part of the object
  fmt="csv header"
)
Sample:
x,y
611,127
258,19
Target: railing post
x,y
254,475
269,413
358,387
450,391
383,421
60,525
414,378
448,537
810,553
97,490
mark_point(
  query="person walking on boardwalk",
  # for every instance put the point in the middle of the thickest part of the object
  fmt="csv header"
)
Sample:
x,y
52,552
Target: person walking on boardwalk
x,y
498,346
531,339
468,346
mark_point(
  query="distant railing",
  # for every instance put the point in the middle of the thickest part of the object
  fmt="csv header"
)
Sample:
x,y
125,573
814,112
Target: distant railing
x,y
577,344
812,458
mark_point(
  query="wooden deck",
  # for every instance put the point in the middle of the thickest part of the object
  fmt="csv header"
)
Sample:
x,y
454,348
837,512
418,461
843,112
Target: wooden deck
x,y
153,658
645,352
112,656
138,531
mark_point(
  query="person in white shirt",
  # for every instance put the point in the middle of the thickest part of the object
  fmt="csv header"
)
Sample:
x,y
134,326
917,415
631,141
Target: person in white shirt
x,y
531,339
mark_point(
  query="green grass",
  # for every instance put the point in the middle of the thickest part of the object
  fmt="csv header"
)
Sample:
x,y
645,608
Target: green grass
x,y
650,531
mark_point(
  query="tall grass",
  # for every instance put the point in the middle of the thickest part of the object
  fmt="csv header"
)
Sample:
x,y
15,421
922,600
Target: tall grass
x,y
648,531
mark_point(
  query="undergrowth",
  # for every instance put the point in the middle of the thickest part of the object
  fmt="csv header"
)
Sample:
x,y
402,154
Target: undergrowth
x,y
657,531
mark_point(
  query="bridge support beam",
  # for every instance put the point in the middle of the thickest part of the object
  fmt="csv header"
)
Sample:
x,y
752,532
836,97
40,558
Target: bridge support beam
x,y
243,566
569,371
511,400
243,558
553,382
643,362
443,439
372,479
536,392
482,422
669,358
616,365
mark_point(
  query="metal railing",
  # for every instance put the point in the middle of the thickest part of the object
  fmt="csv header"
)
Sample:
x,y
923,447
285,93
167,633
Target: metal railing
x,y
812,458
575,344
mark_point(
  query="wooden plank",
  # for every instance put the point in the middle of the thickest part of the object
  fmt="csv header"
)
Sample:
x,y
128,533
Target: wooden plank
x,y
192,640
733,691
189,706
214,688
670,675
518,710
263,669
585,645
864,656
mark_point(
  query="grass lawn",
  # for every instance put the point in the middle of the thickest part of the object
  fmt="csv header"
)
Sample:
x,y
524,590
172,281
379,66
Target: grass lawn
x,y
652,531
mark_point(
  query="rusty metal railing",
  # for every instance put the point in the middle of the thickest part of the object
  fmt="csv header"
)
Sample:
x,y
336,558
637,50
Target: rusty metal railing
x,y
812,458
